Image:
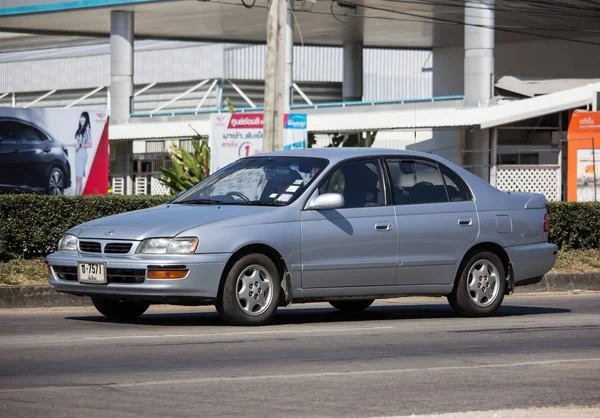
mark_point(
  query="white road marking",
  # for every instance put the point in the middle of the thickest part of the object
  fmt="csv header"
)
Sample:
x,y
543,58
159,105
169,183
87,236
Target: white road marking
x,y
307,375
235,334
548,412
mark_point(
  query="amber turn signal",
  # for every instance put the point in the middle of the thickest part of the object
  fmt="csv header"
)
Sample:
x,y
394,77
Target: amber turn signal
x,y
166,274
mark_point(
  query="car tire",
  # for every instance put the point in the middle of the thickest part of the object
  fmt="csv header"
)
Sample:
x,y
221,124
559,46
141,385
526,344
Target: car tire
x,y
120,310
480,289
251,291
56,182
352,306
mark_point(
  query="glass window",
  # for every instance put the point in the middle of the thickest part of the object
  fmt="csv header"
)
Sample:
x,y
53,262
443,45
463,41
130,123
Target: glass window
x,y
8,133
359,182
457,189
269,181
416,182
30,135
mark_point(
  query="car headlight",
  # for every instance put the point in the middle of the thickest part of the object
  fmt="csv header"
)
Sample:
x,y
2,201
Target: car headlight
x,y
68,243
168,246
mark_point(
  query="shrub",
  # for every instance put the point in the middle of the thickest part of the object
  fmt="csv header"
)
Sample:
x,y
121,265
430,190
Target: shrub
x,y
31,225
574,226
188,168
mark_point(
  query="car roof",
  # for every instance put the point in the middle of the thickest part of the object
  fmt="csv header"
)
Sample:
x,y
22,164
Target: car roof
x,y
344,153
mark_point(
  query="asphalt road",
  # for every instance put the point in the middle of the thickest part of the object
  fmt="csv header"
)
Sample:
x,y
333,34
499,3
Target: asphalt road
x,y
411,356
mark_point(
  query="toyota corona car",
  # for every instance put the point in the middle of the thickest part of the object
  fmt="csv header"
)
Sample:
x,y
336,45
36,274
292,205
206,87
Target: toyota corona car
x,y
31,160
342,225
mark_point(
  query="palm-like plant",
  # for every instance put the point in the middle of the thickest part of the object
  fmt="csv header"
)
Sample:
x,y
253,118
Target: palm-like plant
x,y
188,168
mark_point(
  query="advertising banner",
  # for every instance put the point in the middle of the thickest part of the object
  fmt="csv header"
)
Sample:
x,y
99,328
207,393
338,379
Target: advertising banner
x,y
583,157
53,151
237,135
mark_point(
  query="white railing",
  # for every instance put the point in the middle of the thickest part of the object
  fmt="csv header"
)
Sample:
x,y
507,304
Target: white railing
x,y
545,179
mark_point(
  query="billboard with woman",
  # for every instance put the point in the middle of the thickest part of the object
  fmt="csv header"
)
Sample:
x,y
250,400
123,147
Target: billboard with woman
x,y
53,151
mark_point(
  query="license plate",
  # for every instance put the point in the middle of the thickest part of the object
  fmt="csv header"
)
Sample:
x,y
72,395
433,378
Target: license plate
x,y
91,273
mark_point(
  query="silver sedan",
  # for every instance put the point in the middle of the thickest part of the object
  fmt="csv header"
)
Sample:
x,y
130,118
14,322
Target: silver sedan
x,y
342,225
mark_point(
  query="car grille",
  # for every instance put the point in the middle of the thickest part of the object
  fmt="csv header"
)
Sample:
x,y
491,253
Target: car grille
x,y
89,247
126,276
110,248
117,248
114,275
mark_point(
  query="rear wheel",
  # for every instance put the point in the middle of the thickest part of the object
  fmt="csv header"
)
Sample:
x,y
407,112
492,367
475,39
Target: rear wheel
x,y
251,291
56,182
352,306
122,310
481,286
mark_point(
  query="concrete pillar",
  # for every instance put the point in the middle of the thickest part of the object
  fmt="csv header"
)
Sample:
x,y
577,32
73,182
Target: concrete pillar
x,y
352,84
288,77
479,78
121,65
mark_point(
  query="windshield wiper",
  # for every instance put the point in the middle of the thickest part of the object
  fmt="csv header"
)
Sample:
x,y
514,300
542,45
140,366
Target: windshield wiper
x,y
201,202
258,203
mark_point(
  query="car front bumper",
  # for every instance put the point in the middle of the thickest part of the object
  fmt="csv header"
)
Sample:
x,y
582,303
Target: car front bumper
x,y
531,261
200,286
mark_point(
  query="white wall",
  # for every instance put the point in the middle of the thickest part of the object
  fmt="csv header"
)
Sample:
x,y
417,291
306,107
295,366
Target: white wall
x,y
446,144
536,59
448,68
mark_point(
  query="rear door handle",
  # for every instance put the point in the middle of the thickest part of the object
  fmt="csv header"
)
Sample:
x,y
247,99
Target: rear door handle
x,y
47,149
383,226
465,221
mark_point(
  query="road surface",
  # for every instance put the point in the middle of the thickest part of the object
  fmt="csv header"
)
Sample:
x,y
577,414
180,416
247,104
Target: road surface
x,y
401,357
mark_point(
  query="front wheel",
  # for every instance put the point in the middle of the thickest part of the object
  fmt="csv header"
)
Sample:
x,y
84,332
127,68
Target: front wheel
x,y
481,286
251,291
352,306
121,310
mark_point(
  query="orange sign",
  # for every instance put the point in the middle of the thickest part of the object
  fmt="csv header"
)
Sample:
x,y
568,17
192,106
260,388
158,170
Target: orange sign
x,y
583,157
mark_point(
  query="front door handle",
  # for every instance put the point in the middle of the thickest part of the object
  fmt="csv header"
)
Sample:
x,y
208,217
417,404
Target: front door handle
x,y
465,221
383,226
47,149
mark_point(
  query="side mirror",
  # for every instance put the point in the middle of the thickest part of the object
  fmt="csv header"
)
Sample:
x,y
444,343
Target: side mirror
x,y
326,201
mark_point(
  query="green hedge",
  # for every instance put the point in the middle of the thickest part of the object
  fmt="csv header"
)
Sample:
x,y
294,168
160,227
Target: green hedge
x,y
31,225
575,225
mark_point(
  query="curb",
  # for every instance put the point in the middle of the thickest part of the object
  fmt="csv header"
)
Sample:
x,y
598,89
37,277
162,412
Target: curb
x,y
47,297
567,282
37,297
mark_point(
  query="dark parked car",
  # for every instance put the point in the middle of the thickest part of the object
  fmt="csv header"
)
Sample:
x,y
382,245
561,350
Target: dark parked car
x,y
31,160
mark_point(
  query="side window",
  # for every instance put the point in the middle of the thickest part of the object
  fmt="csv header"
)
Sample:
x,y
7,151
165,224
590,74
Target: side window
x,y
359,182
30,135
416,182
457,190
8,133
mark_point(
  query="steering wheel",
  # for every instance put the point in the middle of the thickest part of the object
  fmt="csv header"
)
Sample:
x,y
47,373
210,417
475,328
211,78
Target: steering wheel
x,y
240,195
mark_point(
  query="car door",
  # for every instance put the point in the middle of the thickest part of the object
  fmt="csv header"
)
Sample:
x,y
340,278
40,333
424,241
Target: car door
x,y
356,244
9,150
436,220
34,156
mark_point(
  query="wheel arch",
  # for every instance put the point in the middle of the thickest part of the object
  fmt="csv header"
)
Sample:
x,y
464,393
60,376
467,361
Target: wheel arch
x,y
481,247
256,248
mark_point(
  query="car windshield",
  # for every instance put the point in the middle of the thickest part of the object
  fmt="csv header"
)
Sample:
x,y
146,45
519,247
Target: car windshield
x,y
265,181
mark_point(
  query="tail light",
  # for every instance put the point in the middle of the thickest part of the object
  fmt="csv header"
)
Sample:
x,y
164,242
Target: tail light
x,y
546,226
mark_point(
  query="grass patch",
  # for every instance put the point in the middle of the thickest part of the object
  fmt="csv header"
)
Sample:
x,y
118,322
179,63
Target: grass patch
x,y
33,272
21,272
577,261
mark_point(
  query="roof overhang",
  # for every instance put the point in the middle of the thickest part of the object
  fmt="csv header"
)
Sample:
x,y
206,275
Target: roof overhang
x,y
445,115
376,23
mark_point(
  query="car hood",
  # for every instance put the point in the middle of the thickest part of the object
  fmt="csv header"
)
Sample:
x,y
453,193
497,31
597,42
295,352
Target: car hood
x,y
162,221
